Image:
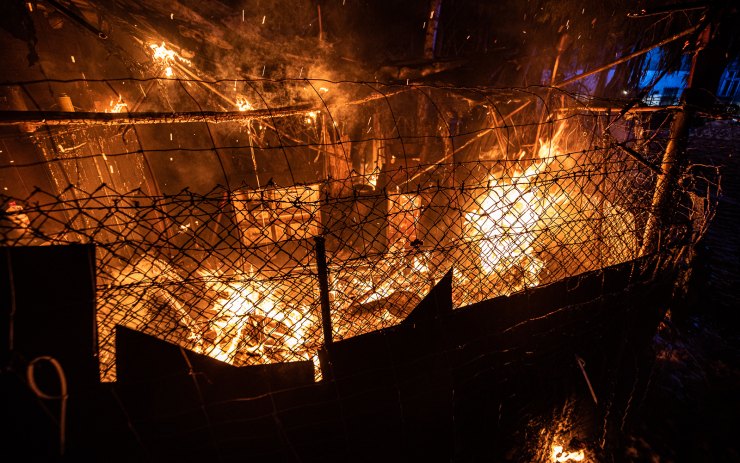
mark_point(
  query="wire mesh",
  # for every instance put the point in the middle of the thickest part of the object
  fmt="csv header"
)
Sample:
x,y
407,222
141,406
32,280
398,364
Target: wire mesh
x,y
204,222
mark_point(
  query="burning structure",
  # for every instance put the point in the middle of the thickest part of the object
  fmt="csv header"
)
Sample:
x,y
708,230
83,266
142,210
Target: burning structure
x,y
260,219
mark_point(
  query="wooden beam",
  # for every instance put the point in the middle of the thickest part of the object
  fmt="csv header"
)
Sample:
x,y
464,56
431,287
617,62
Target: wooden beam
x,y
64,118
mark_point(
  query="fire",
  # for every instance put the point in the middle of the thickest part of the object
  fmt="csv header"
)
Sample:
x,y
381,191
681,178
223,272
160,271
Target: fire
x,y
162,53
506,223
372,178
242,104
116,106
167,58
311,117
526,214
248,319
256,319
395,280
559,455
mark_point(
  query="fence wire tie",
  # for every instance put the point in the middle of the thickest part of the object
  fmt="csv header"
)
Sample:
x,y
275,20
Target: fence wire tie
x,y
582,366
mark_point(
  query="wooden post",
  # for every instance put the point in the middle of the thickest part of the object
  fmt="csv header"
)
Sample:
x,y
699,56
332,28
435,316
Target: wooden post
x,y
669,169
673,156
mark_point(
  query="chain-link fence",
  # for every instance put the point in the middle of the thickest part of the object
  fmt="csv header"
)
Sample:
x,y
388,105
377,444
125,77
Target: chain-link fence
x,y
206,222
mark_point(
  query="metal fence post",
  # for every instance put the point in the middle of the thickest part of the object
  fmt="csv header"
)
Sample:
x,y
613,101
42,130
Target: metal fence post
x,y
323,275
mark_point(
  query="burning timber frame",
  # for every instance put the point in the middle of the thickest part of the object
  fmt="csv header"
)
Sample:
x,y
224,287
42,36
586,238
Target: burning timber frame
x,y
511,203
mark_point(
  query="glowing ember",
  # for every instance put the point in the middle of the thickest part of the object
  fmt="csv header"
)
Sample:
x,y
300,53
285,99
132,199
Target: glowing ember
x,y
559,455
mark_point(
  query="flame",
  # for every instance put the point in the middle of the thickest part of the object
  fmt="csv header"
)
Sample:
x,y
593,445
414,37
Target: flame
x,y
372,178
506,223
116,106
247,303
311,117
559,455
242,104
162,53
166,58
394,279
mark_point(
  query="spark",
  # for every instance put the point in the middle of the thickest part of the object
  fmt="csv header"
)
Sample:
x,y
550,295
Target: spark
x,y
263,19
73,59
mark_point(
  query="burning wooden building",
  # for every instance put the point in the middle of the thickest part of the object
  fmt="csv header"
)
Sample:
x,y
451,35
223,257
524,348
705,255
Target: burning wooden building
x,y
274,260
